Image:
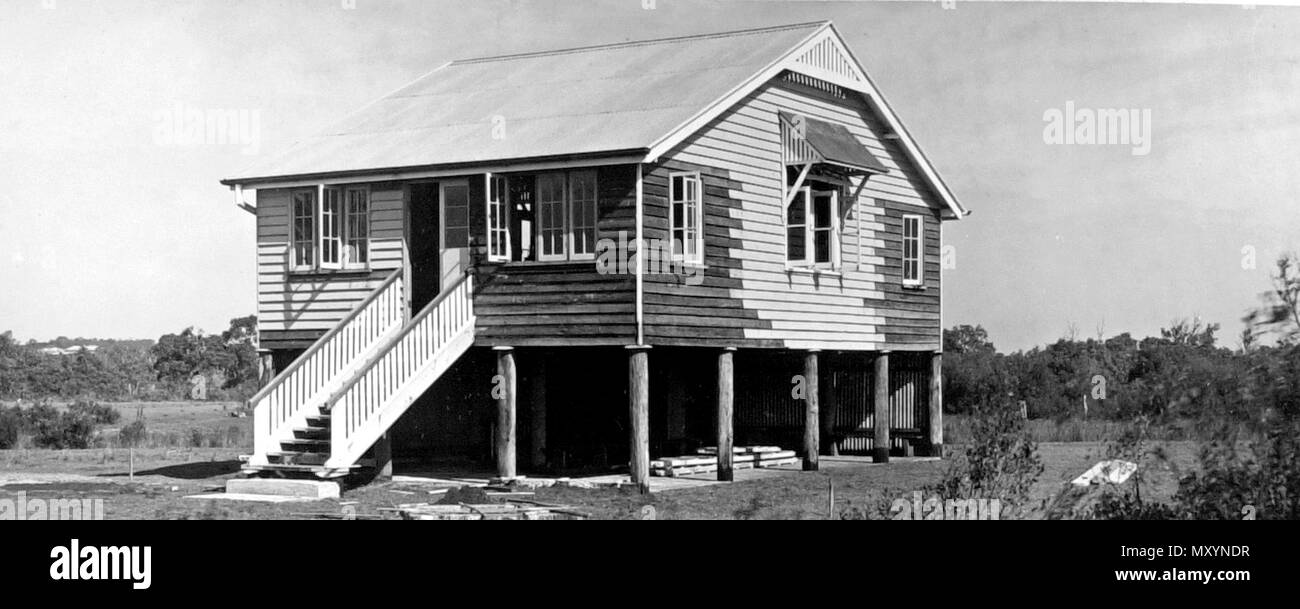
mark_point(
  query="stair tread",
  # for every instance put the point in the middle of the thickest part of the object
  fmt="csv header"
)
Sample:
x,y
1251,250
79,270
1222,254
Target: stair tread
x,y
311,469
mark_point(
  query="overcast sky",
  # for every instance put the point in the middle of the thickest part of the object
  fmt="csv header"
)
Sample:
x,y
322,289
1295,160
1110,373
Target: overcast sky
x,y
110,228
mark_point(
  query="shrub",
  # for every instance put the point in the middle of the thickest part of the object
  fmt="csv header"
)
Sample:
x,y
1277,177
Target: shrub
x,y
10,426
1001,462
1264,475
65,430
99,413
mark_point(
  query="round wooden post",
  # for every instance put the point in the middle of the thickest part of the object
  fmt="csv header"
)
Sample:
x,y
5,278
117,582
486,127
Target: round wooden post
x,y
638,394
880,382
936,404
505,394
811,418
726,402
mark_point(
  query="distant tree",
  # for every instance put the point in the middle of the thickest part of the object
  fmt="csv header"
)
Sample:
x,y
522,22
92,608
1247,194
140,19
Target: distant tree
x,y
1191,333
1280,313
241,342
967,339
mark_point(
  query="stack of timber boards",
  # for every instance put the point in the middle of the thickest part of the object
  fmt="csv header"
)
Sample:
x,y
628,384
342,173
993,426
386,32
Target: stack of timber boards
x,y
706,461
514,510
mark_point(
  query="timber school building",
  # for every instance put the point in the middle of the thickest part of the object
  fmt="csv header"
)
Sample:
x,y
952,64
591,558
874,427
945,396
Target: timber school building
x,y
430,287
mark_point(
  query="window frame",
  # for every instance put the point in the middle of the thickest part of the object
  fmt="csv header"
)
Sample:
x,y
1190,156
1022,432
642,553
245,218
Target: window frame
x,y
688,179
443,185
562,252
316,226
833,228
295,264
502,187
807,194
919,258
570,209
347,225
321,220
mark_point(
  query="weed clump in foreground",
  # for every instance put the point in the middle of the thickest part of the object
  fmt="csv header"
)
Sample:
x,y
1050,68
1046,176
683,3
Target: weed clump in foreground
x,y
1000,462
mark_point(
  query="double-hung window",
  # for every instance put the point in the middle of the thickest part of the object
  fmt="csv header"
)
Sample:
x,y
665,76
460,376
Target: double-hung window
x,y
913,244
812,228
686,217
330,228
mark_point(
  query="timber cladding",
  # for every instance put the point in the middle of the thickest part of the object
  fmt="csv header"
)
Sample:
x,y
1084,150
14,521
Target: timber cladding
x,y
562,303
748,296
294,309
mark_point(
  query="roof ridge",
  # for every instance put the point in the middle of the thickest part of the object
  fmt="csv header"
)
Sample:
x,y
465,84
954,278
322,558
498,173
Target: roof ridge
x,y
633,43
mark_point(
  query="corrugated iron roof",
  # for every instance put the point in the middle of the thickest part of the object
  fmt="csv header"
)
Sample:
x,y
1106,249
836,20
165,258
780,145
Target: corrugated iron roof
x,y
591,100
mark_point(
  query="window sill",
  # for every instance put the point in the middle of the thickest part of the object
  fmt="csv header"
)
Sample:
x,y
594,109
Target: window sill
x,y
812,270
688,264
915,287
526,264
323,273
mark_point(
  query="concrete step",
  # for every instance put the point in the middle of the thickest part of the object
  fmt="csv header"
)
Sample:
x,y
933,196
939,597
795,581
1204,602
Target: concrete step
x,y
284,487
296,458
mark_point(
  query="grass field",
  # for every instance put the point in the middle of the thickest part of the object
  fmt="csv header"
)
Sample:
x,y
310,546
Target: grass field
x,y
179,424
164,476
194,447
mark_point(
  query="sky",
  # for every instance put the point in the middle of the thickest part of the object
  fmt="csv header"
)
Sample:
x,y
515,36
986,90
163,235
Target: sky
x,y
112,227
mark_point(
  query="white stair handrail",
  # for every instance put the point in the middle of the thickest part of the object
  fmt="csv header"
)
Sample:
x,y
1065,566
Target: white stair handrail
x,y
381,389
283,402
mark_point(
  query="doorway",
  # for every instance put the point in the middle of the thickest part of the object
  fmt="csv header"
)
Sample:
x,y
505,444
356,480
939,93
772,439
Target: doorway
x,y
425,244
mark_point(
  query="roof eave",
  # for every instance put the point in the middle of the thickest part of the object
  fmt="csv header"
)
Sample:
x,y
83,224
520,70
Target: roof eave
x,y
389,173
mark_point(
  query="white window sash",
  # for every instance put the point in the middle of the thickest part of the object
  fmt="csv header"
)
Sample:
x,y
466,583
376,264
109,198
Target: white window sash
x,y
833,240
804,198
919,240
693,201
345,228
295,263
545,211
570,223
503,218
322,237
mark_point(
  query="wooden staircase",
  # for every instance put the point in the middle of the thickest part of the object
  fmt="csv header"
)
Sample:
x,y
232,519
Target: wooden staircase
x,y
321,414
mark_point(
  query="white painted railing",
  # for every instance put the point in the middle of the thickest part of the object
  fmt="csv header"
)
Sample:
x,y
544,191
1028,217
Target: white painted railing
x,y
399,372
300,389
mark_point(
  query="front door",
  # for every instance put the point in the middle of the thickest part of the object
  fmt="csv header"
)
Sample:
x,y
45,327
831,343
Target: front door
x,y
425,244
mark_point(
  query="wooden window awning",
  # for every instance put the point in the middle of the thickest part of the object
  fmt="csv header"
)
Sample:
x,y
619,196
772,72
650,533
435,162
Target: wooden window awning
x,y
811,141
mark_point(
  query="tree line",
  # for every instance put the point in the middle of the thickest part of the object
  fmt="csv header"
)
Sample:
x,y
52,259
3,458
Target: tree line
x,y
1182,374
166,369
